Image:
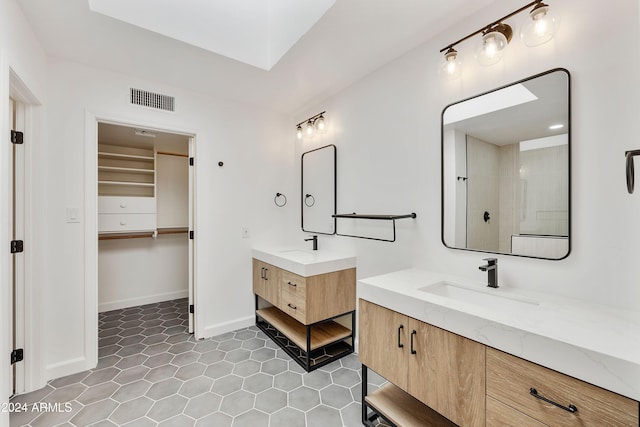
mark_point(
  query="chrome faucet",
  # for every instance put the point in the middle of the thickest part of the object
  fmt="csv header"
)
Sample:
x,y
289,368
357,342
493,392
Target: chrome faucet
x,y
492,269
315,242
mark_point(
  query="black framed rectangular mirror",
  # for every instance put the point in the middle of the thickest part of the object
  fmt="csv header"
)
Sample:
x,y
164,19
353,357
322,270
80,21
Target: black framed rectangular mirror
x,y
506,163
319,190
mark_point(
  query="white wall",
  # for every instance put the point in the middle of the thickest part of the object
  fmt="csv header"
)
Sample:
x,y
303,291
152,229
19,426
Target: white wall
x,y
257,164
20,52
134,272
387,131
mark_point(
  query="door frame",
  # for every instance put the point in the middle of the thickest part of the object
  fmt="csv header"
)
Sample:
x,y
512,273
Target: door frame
x,y
91,220
28,373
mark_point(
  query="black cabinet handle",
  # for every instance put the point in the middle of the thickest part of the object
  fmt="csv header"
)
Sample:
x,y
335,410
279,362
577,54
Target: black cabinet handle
x,y
412,334
400,345
262,272
293,307
292,284
265,274
571,408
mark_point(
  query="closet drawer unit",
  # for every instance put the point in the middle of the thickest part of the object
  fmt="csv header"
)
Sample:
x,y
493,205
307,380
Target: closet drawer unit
x,y
293,295
117,205
114,223
522,385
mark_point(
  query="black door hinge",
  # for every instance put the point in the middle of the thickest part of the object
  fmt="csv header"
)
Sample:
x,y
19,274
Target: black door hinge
x,y
190,161
17,246
191,235
17,137
17,355
191,309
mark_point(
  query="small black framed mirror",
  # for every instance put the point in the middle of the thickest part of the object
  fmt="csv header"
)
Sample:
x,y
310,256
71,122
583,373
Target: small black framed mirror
x,y
506,169
318,190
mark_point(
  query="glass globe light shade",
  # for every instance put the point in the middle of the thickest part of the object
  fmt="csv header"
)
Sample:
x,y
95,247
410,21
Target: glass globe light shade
x,y
299,132
491,50
541,27
309,130
320,124
451,66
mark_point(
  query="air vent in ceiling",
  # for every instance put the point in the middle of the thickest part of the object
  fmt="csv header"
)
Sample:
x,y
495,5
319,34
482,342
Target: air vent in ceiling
x,y
153,100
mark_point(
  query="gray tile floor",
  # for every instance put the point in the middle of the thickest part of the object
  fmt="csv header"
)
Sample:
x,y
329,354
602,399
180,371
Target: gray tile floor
x,y
151,372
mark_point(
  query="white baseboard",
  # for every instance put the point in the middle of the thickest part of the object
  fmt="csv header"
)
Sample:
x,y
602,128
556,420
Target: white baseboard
x,y
222,328
148,299
68,367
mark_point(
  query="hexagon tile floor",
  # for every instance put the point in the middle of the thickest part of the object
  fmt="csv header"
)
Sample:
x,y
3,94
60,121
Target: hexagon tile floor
x,y
151,372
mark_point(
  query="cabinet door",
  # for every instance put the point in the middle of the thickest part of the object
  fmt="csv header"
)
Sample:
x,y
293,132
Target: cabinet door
x,y
447,373
383,344
266,281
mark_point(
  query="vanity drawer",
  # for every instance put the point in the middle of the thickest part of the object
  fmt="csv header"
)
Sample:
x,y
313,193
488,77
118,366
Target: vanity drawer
x,y
126,222
293,295
501,415
293,284
139,205
294,307
510,380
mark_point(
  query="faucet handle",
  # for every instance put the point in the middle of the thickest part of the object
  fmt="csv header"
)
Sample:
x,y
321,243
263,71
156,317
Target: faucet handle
x,y
491,261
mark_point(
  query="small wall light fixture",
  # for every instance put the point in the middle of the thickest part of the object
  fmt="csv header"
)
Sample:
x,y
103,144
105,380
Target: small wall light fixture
x,y
538,29
313,124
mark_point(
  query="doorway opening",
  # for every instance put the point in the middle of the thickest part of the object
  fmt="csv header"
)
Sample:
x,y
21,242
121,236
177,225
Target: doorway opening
x,y
145,218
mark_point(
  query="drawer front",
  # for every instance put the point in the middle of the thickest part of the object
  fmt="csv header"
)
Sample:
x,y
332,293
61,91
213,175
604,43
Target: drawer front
x,y
138,205
501,415
293,296
293,284
113,223
510,380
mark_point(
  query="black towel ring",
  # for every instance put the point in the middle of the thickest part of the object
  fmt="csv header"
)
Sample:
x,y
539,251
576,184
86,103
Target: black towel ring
x,y
280,195
306,200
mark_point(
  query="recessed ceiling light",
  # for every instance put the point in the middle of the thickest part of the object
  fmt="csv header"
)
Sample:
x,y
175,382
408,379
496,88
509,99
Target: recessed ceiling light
x,y
558,126
144,132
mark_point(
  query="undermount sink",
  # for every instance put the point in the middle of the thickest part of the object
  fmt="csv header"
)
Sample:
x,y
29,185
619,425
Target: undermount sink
x,y
489,298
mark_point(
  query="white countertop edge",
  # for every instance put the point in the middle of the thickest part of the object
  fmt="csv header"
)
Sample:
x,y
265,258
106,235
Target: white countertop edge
x,y
588,363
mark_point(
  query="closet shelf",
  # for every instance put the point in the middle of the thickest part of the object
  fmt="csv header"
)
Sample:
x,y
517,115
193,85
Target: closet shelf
x,y
391,218
107,155
128,183
125,170
172,230
118,236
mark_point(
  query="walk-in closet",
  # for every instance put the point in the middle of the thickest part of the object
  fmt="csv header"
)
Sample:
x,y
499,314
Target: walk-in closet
x,y
143,216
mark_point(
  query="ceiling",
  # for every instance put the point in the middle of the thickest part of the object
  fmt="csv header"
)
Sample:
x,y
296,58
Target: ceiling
x,y
256,32
352,39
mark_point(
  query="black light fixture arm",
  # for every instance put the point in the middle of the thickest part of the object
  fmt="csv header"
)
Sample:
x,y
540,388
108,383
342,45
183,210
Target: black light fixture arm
x,y
311,119
494,23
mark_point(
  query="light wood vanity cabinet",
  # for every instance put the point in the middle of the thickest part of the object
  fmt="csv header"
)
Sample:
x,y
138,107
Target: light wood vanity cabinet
x,y
299,310
510,380
440,369
471,384
266,281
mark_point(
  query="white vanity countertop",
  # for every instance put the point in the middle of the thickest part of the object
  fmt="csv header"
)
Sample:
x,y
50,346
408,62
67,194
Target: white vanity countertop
x,y
305,262
597,344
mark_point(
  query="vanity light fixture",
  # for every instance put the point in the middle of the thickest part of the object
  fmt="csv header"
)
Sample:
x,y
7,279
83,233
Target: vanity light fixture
x,y
312,124
539,28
